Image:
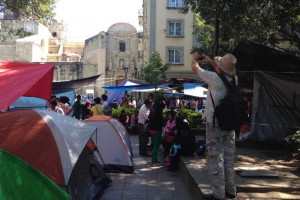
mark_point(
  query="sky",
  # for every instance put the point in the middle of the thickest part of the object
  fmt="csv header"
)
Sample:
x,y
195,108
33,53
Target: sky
x,y
89,17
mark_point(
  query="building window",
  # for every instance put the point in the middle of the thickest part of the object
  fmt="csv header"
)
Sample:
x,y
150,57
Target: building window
x,y
175,3
175,55
175,28
122,46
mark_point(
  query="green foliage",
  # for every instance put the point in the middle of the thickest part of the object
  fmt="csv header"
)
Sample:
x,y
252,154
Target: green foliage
x,y
262,21
293,142
155,71
203,33
193,117
41,10
116,111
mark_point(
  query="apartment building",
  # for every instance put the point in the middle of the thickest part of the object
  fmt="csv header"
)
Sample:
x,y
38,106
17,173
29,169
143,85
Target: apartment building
x,y
169,32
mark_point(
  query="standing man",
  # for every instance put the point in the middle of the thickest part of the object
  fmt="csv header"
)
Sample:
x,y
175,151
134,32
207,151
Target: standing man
x,y
143,134
220,144
105,105
77,107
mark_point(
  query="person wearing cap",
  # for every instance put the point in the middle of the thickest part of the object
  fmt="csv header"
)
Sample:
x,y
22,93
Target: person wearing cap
x,y
220,144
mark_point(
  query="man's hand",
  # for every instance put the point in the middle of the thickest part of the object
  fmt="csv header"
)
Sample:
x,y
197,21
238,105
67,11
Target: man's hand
x,y
195,65
196,57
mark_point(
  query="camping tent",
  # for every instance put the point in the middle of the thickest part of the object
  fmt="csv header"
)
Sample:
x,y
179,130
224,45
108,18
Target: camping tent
x,y
24,79
21,181
113,144
55,140
53,144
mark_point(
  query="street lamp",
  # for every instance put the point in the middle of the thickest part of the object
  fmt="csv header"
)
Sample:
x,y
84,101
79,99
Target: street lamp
x,y
126,71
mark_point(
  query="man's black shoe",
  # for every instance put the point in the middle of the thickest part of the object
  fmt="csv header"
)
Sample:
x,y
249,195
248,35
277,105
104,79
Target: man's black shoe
x,y
231,196
210,197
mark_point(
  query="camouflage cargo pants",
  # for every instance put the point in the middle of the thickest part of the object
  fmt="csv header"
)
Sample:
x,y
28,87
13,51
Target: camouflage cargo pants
x,y
220,147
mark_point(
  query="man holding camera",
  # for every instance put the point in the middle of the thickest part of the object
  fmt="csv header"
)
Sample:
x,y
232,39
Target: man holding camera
x,y
220,144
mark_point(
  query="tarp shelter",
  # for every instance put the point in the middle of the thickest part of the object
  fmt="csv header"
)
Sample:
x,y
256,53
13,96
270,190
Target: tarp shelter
x,y
274,77
252,57
113,143
116,92
64,86
33,102
24,79
48,141
276,104
195,90
21,181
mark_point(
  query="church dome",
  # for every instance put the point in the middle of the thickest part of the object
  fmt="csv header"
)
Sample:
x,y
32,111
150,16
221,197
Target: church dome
x,y
122,28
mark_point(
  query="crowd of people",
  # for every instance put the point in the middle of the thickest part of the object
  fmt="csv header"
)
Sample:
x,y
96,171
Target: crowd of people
x,y
174,134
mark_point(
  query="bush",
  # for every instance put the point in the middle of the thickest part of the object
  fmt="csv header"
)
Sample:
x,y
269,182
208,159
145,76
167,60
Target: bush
x,y
116,111
293,142
193,117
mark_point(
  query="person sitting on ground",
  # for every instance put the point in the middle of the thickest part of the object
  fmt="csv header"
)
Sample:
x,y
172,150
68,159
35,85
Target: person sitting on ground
x,y
185,136
97,109
123,118
134,122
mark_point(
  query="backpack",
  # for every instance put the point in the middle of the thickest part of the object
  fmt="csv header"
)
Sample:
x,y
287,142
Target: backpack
x,y
232,109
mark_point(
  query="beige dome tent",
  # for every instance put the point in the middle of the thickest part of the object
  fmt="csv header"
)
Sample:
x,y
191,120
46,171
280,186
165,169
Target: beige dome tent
x,y
113,144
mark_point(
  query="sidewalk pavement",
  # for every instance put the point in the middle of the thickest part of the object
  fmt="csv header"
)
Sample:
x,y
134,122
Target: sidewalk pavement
x,y
253,181
148,182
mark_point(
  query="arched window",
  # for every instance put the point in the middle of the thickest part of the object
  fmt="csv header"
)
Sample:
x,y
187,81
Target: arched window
x,y
122,46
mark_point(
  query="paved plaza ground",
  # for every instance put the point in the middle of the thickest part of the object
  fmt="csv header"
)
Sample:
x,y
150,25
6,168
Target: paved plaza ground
x,y
261,173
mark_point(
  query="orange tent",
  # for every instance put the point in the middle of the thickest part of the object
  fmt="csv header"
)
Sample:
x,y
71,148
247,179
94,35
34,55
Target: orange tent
x,y
48,141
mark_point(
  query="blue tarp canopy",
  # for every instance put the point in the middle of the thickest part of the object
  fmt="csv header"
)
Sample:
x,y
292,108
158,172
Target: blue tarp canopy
x,y
134,87
116,92
195,89
33,102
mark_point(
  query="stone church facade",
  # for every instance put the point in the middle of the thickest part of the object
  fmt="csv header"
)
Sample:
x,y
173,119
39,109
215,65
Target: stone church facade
x,y
115,52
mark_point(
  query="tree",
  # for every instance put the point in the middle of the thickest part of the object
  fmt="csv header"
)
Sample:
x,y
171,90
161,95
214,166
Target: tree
x,y
267,22
204,34
155,71
41,10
